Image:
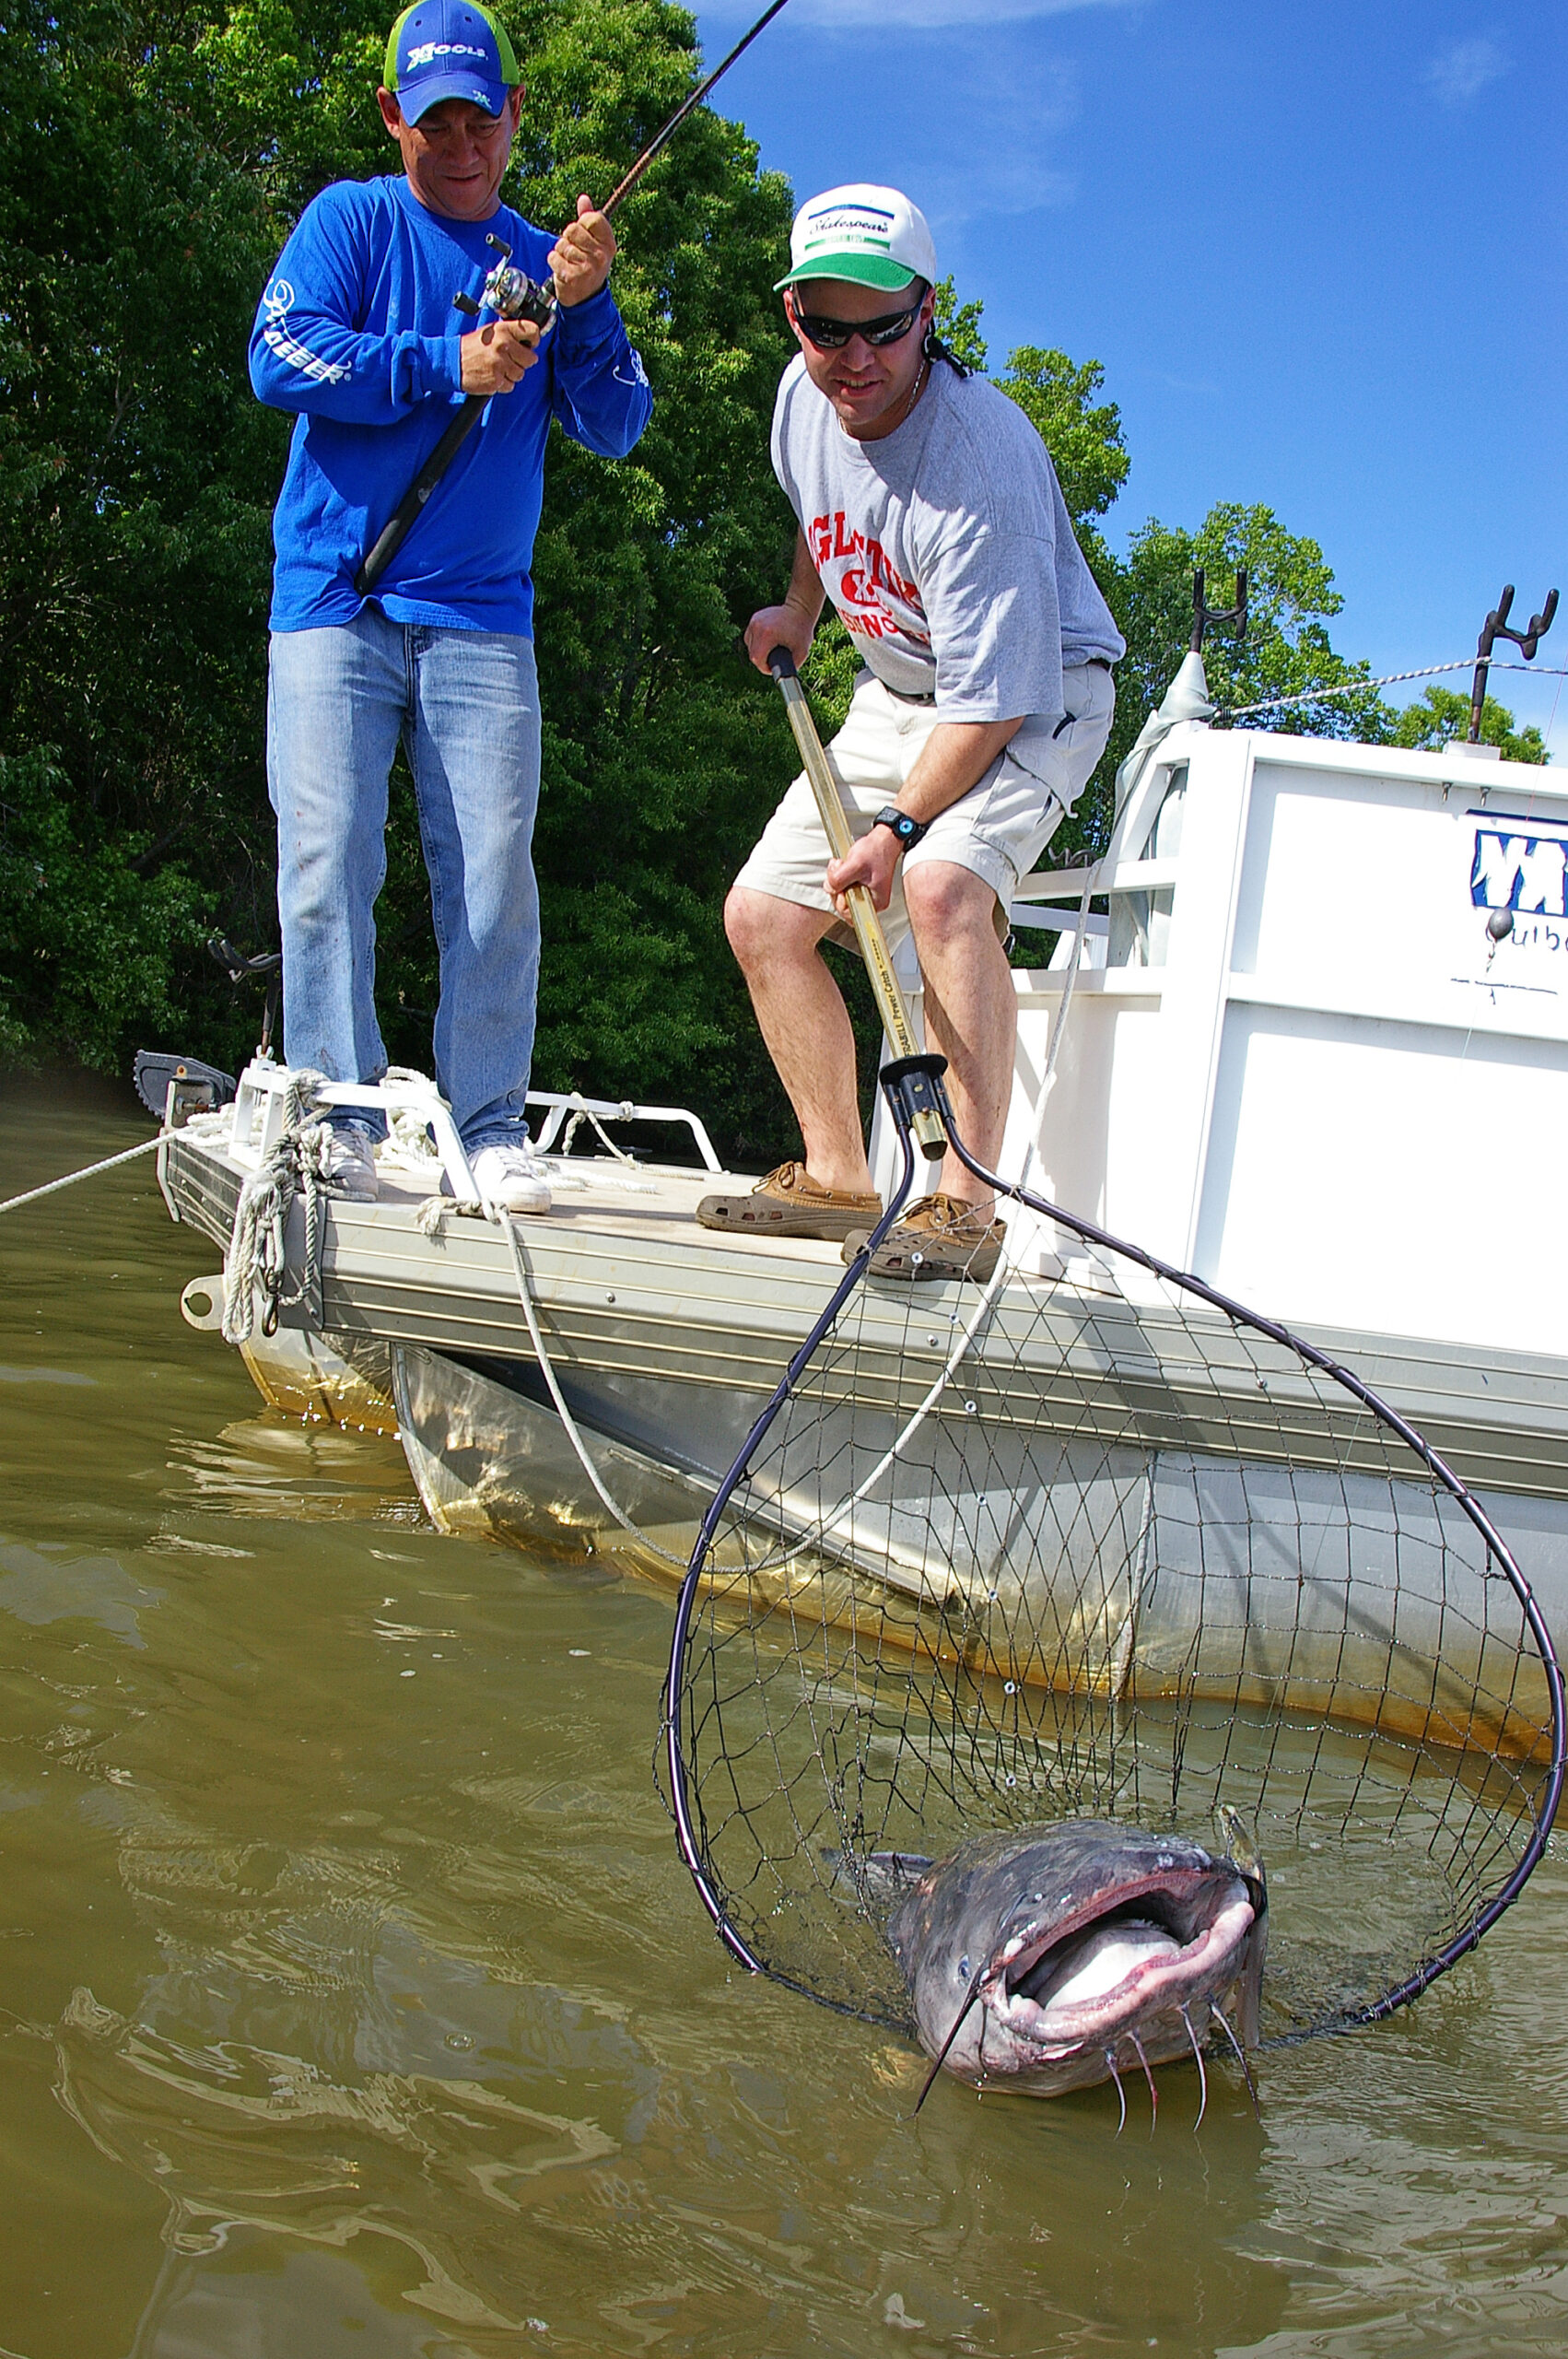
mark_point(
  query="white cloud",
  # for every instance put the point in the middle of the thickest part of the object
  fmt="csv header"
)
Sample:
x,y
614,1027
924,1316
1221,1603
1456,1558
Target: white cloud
x,y
915,15
953,196
1014,168
1462,69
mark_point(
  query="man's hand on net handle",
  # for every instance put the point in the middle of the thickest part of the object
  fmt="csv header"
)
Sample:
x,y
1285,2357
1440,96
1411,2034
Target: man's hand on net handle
x,y
784,626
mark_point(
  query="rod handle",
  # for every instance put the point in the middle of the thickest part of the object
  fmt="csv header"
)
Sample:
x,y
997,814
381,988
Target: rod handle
x,y
409,508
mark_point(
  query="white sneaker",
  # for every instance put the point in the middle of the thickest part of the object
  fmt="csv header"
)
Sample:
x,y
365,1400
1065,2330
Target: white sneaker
x,y
512,1177
348,1166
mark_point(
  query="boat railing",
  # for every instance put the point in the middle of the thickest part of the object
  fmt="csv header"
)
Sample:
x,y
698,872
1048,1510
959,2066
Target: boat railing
x,y
262,1113
568,1108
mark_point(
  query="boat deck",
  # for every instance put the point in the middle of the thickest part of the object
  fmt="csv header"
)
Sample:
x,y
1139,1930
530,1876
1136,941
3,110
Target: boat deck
x,y
645,1312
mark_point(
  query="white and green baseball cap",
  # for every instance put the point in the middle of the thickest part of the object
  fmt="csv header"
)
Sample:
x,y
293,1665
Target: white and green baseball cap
x,y
871,235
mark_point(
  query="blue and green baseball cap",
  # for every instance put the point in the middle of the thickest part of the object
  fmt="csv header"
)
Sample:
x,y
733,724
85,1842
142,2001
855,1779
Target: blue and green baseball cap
x,y
449,49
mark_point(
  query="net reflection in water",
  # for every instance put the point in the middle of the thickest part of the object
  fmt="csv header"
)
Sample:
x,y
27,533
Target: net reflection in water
x,y
1009,1556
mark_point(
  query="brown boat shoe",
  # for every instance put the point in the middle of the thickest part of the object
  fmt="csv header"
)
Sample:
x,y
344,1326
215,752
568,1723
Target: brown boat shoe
x,y
940,1237
789,1203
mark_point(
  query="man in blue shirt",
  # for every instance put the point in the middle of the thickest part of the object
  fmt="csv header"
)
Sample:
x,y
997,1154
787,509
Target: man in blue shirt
x,y
358,334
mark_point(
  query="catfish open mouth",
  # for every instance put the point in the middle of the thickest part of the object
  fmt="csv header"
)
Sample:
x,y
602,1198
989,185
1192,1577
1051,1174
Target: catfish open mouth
x,y
1167,1942
1043,1959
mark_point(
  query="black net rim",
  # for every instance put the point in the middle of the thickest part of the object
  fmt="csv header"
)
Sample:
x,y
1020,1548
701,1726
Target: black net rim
x,y
925,1071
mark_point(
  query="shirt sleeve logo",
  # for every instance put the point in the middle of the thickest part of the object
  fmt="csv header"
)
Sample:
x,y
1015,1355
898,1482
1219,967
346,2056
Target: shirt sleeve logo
x,y
277,299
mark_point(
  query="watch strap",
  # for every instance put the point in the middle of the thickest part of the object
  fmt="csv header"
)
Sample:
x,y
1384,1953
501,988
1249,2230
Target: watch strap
x,y
908,831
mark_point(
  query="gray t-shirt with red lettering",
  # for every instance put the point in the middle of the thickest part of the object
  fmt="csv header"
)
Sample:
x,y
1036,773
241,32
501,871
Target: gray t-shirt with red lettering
x,y
946,547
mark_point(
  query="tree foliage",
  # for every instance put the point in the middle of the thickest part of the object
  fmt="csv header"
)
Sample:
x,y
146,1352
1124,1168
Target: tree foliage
x,y
154,159
154,163
1439,716
1290,598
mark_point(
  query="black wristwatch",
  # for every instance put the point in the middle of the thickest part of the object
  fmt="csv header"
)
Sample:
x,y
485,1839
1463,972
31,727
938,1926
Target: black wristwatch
x,y
908,831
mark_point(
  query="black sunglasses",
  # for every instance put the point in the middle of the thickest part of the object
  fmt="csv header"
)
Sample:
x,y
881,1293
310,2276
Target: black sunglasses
x,y
832,336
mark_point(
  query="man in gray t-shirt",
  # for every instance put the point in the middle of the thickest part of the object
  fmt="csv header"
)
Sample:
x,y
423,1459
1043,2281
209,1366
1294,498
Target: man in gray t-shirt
x,y
930,514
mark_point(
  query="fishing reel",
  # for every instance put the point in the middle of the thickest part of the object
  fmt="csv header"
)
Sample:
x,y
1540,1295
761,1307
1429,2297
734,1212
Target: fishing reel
x,y
511,294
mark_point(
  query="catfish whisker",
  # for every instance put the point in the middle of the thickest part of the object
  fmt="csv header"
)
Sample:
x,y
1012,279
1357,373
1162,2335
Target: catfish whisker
x,y
1241,2059
947,2043
1202,2076
1153,2091
1121,2093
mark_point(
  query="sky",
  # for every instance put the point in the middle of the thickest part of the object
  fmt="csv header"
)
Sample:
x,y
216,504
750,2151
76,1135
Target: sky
x,y
1321,252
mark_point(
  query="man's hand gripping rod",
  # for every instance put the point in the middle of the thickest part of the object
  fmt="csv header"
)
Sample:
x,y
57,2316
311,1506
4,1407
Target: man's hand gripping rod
x,y
925,1120
512,295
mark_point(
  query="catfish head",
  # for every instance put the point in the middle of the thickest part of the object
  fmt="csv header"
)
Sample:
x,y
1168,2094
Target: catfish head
x,y
1045,1958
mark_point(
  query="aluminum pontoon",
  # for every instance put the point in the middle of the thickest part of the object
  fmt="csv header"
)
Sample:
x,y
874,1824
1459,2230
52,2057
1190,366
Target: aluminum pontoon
x,y
1303,1030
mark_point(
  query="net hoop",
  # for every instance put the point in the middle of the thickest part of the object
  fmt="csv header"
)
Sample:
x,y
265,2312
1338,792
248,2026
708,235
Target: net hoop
x,y
680,1794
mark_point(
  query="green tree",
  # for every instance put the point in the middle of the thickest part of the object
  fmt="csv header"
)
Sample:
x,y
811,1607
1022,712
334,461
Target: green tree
x,y
134,480
87,933
959,326
1083,437
1287,650
1440,715
154,161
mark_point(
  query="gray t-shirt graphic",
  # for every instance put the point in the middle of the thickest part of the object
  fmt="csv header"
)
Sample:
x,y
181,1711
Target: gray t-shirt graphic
x,y
946,547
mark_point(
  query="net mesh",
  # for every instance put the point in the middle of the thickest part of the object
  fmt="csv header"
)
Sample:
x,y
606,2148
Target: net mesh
x,y
1094,1543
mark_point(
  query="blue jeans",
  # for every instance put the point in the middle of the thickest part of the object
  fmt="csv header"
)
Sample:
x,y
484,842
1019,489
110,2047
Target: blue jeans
x,y
466,706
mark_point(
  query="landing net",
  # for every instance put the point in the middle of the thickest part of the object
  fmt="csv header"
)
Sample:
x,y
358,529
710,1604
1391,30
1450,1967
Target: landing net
x,y
1100,1541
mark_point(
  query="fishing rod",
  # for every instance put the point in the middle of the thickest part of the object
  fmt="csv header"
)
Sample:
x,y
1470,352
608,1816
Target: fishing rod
x,y
512,295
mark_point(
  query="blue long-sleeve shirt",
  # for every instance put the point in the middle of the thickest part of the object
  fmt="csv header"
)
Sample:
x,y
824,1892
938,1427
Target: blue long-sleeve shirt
x,y
356,332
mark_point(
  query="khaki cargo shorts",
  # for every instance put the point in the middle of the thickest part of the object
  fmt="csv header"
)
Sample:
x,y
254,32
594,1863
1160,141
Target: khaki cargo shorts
x,y
997,829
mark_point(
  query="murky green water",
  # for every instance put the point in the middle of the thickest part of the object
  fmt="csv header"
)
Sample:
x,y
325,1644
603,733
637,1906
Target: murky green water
x,y
356,2002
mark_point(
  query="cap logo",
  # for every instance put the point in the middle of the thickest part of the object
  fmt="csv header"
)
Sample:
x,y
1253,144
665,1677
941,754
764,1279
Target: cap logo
x,y
871,225
862,232
430,49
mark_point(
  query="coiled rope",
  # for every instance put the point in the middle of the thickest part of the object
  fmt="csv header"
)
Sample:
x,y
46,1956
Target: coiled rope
x,y
257,1258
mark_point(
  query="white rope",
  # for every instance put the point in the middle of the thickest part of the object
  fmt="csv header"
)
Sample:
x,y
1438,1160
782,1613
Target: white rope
x,y
257,1251
677,1564
31,1195
1390,679
585,1114
409,1144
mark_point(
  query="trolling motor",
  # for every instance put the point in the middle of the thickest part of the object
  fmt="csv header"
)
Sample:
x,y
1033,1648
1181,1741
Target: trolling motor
x,y
173,1087
514,296
1495,627
239,969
